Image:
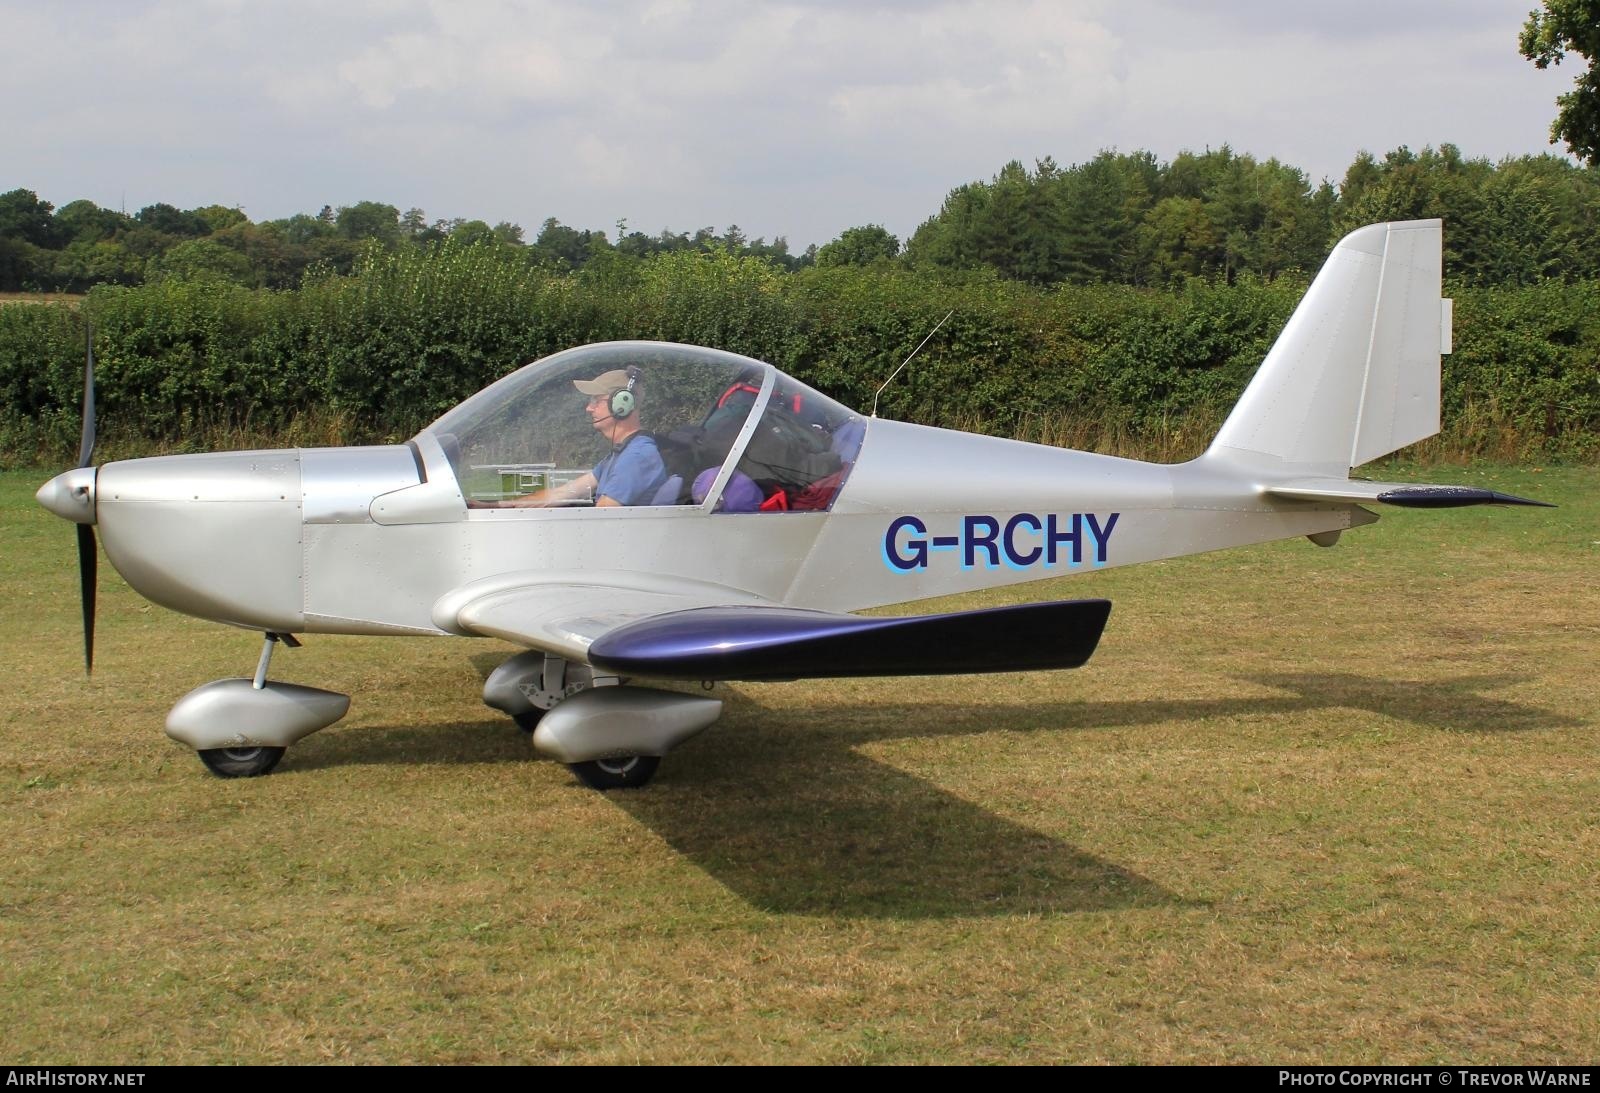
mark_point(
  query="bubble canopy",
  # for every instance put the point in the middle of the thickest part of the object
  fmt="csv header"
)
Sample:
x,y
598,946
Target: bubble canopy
x,y
535,430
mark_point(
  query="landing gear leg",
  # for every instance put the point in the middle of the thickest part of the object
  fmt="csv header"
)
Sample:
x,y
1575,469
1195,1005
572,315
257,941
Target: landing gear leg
x,y
608,735
530,684
241,727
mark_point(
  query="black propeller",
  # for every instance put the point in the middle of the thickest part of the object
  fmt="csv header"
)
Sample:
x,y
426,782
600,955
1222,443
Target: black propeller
x,y
88,563
86,440
88,556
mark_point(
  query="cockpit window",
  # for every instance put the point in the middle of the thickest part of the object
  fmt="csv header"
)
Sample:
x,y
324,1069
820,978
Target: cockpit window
x,y
648,423
538,430
801,449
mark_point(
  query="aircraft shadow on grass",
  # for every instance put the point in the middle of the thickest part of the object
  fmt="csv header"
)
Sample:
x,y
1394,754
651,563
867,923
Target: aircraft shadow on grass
x,y
789,813
1452,705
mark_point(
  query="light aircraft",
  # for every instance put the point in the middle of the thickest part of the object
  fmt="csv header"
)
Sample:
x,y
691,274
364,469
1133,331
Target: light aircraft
x,y
782,512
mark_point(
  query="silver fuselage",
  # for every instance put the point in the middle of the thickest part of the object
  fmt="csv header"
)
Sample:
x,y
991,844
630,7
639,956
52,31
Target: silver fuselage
x,y
374,540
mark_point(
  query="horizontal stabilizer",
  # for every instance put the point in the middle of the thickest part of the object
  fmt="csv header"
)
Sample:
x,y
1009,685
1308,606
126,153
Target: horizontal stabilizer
x,y
778,643
1404,494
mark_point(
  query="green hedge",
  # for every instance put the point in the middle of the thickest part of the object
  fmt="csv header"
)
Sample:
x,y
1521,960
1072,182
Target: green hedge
x,y
377,355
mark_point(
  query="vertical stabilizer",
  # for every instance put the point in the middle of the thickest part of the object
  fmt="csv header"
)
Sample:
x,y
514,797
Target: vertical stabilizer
x,y
1355,373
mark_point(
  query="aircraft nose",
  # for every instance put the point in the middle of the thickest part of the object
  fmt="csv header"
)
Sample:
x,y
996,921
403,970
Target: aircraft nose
x,y
70,495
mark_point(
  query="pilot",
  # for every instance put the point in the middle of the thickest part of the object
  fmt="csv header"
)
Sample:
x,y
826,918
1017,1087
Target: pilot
x,y
633,471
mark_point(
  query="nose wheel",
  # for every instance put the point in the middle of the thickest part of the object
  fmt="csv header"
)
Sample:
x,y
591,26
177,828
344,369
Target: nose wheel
x,y
240,762
240,728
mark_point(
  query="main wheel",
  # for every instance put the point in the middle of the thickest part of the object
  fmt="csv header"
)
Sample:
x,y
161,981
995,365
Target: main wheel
x,y
240,762
621,772
529,721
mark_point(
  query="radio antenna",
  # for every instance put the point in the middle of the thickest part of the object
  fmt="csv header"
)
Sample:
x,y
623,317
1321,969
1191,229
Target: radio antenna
x,y
907,361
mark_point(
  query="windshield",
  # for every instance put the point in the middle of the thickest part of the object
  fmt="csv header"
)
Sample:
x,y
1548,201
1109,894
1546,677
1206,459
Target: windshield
x,y
649,423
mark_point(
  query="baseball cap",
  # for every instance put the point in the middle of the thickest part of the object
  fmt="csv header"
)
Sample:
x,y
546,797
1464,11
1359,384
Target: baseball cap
x,y
603,384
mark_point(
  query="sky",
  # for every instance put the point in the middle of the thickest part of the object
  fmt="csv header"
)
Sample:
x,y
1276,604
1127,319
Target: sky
x,y
795,119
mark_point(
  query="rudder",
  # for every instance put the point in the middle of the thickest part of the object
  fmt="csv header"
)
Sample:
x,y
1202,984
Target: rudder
x,y
1355,373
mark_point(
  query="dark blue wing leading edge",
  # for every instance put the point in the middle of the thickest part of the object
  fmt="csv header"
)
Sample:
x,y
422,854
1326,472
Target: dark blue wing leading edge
x,y
778,643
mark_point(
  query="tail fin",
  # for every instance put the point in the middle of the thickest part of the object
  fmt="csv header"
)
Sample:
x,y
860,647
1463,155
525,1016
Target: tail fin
x,y
1355,373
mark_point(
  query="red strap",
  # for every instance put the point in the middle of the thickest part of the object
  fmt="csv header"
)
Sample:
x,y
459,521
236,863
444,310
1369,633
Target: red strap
x,y
735,389
778,502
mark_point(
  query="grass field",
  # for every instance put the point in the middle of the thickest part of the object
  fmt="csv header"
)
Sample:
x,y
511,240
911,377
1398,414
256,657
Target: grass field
x,y
1303,805
40,298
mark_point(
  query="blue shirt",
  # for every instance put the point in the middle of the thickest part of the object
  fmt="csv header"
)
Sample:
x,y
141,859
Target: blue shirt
x,y
632,474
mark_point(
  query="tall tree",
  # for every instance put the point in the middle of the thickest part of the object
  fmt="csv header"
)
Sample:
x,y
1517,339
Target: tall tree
x,y
369,220
508,233
1547,37
84,221
1090,226
566,248
169,220
23,216
860,246
218,217
473,232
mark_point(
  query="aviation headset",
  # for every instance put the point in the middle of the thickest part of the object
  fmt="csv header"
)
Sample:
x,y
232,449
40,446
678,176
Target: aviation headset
x,y
624,401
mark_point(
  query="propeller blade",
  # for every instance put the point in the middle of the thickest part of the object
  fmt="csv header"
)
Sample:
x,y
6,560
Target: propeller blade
x,y
88,566
86,443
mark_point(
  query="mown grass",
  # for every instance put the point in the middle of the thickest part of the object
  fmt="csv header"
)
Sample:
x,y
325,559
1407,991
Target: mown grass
x,y
41,298
1303,805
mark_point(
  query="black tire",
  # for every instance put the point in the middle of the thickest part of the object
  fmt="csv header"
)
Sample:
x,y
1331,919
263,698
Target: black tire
x,y
240,762
621,772
529,721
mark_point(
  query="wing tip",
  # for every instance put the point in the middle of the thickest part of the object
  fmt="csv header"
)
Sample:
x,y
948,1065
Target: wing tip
x,y
1444,497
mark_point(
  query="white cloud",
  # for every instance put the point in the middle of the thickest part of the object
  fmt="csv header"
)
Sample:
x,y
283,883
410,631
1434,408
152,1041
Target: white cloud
x,y
801,117
492,54
1018,66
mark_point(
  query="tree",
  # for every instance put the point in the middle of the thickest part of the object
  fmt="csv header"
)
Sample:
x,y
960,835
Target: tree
x,y
170,220
561,247
776,252
85,222
637,244
859,246
413,223
1177,239
1570,25
218,217
1090,230
203,260
23,216
1014,223
84,263
20,262
274,261
471,233
370,220
300,229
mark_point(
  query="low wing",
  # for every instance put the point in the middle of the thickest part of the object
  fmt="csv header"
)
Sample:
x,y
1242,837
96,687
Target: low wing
x,y
565,613
1405,494
685,630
